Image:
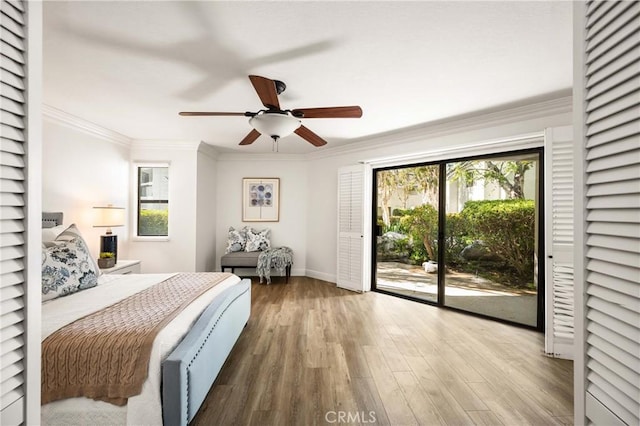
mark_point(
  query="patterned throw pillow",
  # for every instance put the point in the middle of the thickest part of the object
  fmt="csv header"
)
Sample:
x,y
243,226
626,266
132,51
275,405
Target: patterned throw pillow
x,y
258,240
67,268
71,233
237,239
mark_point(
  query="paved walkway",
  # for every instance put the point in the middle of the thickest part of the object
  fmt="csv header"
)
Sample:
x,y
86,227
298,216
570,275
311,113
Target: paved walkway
x,y
463,290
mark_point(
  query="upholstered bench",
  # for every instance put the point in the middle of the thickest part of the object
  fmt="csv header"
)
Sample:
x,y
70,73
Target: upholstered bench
x,y
239,259
244,259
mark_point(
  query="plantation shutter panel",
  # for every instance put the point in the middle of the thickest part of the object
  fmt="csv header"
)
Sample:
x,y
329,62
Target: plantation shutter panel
x,y
559,300
612,209
350,228
12,211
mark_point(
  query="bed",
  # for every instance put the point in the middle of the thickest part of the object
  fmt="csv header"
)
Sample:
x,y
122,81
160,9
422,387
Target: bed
x,y
185,357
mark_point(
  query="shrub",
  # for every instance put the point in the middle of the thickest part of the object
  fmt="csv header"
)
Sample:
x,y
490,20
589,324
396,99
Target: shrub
x,y
422,224
506,227
456,238
153,223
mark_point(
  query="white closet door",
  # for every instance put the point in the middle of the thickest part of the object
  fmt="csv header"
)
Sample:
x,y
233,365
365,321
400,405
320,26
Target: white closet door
x,y
559,300
612,208
350,228
12,213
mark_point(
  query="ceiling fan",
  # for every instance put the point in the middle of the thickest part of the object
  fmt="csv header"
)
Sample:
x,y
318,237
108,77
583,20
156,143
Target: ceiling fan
x,y
278,123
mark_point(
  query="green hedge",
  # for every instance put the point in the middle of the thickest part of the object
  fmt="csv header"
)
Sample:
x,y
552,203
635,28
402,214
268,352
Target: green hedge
x,y
153,223
506,227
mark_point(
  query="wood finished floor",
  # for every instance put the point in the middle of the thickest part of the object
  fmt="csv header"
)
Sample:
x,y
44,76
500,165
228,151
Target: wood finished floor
x,y
312,352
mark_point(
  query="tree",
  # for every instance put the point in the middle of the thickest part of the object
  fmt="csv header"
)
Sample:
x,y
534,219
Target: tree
x,y
509,175
387,186
422,222
427,180
404,182
407,185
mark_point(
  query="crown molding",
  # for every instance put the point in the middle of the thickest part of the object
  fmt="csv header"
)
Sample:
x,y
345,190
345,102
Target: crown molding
x,y
262,157
208,150
170,144
68,120
458,124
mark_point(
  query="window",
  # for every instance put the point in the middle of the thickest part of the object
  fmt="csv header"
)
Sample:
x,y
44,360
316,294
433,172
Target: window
x,y
153,200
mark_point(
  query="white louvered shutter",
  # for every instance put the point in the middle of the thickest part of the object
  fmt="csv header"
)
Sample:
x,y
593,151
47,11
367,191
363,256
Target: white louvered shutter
x,y
612,234
559,300
350,228
12,211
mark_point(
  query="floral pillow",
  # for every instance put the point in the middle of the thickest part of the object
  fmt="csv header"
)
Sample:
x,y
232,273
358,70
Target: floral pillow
x,y
67,267
71,233
258,240
237,239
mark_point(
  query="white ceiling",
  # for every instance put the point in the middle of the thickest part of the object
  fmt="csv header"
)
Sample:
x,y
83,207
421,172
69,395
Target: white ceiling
x,y
132,66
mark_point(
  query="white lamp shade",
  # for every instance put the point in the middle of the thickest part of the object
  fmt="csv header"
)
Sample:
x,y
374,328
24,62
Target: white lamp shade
x,y
107,217
275,124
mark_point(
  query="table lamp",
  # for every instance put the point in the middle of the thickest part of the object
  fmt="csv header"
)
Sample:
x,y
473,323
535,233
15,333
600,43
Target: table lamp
x,y
108,217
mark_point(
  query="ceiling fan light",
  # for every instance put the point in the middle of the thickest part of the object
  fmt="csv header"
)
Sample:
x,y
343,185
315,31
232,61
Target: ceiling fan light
x,y
275,125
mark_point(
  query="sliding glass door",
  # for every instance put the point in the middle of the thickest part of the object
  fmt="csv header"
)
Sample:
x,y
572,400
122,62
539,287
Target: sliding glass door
x,y
490,237
407,231
463,234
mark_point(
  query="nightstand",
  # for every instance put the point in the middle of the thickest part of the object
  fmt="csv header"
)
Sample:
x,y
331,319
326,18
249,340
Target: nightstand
x,y
123,267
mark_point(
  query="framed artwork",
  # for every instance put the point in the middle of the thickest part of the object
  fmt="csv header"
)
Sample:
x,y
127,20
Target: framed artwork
x,y
260,199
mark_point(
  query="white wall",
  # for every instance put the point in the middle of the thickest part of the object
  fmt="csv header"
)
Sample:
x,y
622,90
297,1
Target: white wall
x,y
82,169
79,171
206,209
177,253
291,229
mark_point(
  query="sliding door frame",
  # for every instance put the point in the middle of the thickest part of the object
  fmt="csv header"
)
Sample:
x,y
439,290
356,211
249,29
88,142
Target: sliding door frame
x,y
442,197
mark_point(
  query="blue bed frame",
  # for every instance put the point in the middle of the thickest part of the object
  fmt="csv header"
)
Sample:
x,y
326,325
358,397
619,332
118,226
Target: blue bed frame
x,y
190,370
192,367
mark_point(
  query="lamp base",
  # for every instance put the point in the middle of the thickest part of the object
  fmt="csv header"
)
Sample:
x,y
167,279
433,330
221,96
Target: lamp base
x,y
109,243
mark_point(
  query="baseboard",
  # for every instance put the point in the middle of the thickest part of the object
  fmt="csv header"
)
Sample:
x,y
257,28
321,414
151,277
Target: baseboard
x,y
320,276
251,272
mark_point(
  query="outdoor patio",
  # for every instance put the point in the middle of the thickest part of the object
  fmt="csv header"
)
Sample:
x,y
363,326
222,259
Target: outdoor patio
x,y
463,291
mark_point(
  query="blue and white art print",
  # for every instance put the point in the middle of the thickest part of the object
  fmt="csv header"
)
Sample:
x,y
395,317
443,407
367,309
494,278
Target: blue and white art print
x,y
260,201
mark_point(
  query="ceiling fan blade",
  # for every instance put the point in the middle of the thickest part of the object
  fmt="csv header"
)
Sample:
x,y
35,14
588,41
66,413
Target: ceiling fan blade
x,y
309,136
196,113
266,89
250,138
328,112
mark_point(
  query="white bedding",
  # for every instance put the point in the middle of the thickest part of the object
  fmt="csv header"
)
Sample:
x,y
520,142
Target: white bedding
x,y
143,409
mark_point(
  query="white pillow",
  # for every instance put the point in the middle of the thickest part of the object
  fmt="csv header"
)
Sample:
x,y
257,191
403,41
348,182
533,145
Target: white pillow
x,y
50,234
